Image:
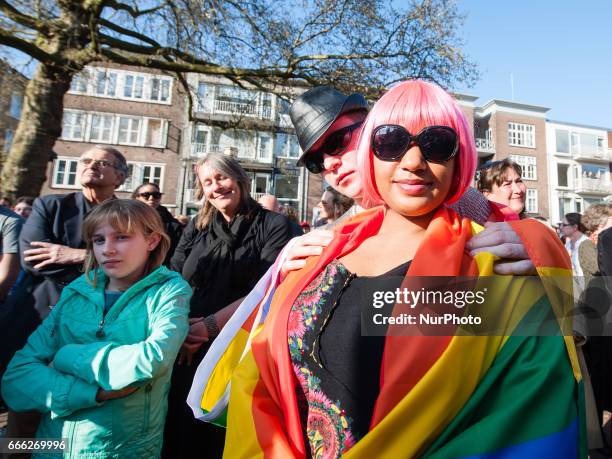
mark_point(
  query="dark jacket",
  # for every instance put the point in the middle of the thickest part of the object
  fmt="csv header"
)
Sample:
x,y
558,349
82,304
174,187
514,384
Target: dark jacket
x,y
56,218
258,248
174,230
219,274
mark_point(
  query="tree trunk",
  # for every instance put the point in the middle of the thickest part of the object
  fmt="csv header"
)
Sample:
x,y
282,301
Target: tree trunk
x,y
25,168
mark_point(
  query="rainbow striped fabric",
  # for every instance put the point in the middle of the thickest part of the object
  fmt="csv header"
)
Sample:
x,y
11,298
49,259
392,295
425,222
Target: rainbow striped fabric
x,y
440,396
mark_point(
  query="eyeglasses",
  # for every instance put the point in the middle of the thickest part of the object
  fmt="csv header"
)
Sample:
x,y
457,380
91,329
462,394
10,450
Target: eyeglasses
x,y
147,195
565,224
96,162
438,144
334,145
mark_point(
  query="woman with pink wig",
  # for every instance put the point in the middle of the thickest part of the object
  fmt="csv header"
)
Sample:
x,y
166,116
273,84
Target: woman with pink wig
x,y
335,371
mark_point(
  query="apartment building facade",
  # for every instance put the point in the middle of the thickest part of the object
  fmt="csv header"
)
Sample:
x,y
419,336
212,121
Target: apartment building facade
x,y
580,161
505,129
138,111
254,126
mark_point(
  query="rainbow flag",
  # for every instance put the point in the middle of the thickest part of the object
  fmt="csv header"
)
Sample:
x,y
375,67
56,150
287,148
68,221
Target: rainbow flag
x,y
209,391
440,396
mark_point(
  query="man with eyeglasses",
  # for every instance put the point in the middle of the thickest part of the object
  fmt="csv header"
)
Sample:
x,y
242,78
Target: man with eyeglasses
x,y
52,234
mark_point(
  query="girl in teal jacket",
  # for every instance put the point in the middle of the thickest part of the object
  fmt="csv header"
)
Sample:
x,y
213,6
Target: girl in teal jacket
x,y
99,366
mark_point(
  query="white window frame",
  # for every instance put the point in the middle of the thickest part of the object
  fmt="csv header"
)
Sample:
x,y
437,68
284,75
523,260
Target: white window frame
x,y
64,184
133,86
160,88
268,152
529,166
111,130
145,132
107,74
266,176
531,194
130,130
71,135
521,135
90,77
136,178
83,78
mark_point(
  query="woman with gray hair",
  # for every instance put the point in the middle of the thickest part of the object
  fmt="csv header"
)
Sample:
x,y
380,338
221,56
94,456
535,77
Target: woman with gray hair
x,y
223,252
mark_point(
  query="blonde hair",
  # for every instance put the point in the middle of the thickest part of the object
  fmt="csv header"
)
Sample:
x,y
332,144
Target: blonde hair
x,y
596,215
231,168
126,216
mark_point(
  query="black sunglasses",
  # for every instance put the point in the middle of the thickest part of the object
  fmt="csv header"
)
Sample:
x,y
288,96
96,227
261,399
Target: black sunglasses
x,y
147,195
334,145
438,144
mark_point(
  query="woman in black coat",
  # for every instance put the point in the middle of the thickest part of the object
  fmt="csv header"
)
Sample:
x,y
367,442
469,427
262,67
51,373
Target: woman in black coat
x,y
223,252
150,194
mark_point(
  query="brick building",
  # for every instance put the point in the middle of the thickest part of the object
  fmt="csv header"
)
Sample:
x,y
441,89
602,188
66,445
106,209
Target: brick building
x,y
508,129
138,111
254,126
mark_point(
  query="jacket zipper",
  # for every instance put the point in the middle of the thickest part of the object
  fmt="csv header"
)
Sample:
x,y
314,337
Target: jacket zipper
x,y
100,332
147,408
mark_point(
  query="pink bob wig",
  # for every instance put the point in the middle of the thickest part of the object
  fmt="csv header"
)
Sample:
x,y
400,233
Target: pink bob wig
x,y
414,105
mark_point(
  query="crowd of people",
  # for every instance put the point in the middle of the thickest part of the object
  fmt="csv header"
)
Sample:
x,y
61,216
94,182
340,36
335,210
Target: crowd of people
x,y
111,306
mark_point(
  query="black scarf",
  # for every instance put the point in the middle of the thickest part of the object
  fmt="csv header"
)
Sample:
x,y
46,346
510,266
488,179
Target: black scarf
x,y
216,262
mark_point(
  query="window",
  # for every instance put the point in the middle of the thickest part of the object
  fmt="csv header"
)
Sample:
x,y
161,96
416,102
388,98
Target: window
x,y
73,125
265,142
260,184
588,144
575,142
132,87
563,174
16,105
286,146
8,140
531,204
160,89
528,166
139,173
155,135
286,187
151,174
201,96
266,105
578,206
521,135
79,82
600,144
101,128
64,175
106,83
562,137
128,130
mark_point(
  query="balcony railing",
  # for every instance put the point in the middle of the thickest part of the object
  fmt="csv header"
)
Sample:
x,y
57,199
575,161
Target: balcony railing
x,y
241,108
593,185
485,145
591,154
201,149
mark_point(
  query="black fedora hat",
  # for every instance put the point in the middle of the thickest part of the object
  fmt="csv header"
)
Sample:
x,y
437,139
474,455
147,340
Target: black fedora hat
x,y
314,112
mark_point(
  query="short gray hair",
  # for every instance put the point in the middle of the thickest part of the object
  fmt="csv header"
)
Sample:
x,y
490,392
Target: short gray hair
x,y
120,161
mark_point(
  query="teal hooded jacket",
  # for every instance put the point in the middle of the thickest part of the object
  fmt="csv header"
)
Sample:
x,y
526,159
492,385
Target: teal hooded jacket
x,y
78,350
